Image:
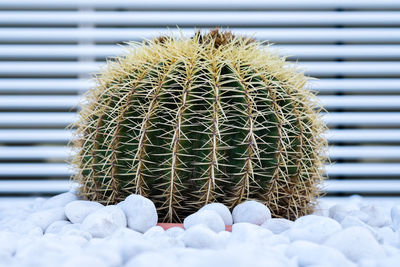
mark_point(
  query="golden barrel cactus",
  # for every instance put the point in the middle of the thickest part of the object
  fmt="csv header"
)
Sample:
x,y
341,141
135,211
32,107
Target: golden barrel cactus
x,y
189,121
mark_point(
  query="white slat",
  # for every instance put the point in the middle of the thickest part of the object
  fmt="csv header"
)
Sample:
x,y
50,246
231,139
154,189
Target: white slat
x,y
362,185
359,85
33,186
205,4
297,51
312,68
364,152
290,35
34,170
37,119
39,102
363,118
35,136
202,18
364,135
361,102
58,85
363,169
34,152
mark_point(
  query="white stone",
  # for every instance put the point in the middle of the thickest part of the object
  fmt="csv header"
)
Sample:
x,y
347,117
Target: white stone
x,y
151,259
339,211
59,200
140,212
356,243
46,217
8,242
389,262
209,218
56,226
395,214
83,260
385,235
154,232
222,210
308,253
251,212
391,251
200,236
277,225
104,221
76,232
174,232
313,228
248,232
76,211
376,216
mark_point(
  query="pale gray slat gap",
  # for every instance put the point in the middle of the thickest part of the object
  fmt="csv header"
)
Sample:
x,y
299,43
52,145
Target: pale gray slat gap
x,y
35,136
339,51
361,186
63,169
363,169
61,119
49,68
364,136
205,4
202,18
35,169
69,102
62,152
363,35
298,51
361,102
34,152
362,118
364,152
37,119
39,102
35,186
362,85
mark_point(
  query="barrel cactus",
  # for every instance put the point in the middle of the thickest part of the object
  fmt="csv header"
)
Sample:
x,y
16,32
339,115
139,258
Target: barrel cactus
x,y
190,121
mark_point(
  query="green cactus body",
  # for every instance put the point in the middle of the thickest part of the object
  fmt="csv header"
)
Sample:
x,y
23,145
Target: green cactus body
x,y
186,122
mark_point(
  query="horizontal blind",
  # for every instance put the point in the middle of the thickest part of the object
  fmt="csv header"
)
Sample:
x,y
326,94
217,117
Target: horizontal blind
x,y
48,49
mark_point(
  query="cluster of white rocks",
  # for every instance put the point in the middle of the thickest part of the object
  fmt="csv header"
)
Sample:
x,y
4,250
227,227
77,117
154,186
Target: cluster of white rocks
x,y
66,231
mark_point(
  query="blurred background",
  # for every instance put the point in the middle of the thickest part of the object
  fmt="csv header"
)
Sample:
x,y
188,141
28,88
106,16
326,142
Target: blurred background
x,y
48,50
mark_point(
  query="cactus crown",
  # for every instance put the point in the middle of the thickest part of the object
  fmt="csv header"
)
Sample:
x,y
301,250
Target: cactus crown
x,y
187,122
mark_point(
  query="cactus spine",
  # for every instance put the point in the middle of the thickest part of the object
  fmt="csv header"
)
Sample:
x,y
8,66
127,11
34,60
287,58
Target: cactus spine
x,y
186,122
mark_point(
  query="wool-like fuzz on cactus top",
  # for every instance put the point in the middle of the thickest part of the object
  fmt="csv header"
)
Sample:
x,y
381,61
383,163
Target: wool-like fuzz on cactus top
x,y
189,121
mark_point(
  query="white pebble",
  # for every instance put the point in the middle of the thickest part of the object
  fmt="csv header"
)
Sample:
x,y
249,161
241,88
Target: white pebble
x,y
251,212
56,226
277,225
200,236
209,218
76,211
46,217
104,221
308,253
339,211
59,200
175,232
395,213
356,243
84,260
248,232
376,216
313,228
8,242
385,235
154,232
140,212
222,210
